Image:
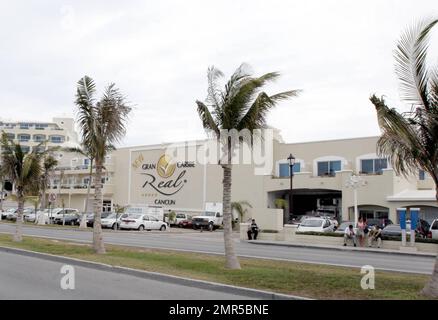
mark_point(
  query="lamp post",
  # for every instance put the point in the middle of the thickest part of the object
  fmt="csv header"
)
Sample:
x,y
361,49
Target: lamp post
x,y
355,182
291,159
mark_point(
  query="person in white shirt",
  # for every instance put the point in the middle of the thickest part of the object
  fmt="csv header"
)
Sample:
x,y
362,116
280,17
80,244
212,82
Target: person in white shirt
x,y
349,234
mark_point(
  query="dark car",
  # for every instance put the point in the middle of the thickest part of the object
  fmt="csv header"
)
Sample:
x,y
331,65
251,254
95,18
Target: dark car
x,y
382,223
186,223
70,219
395,230
90,217
392,230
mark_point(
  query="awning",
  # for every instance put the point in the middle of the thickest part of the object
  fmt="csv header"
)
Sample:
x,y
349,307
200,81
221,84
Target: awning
x,y
413,195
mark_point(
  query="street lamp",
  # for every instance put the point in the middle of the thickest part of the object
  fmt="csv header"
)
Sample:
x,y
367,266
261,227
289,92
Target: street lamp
x,y
355,182
291,159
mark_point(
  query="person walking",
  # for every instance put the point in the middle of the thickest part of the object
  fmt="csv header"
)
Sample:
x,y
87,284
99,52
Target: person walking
x,y
361,226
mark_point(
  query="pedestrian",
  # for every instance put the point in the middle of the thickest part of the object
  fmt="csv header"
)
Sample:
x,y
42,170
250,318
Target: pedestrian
x,y
361,226
349,234
253,230
375,234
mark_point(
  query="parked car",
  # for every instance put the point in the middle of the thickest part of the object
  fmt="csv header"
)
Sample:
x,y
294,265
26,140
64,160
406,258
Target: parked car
x,y
142,222
297,220
32,216
344,225
27,212
394,230
59,212
209,220
90,217
9,214
180,217
113,220
12,213
316,225
433,231
382,223
186,223
70,219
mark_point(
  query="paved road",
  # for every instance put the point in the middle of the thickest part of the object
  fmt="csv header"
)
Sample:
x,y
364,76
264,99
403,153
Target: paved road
x,y
23,277
212,242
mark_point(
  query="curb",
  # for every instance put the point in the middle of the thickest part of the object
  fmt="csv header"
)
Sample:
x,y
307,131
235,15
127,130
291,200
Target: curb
x,y
348,249
89,229
201,284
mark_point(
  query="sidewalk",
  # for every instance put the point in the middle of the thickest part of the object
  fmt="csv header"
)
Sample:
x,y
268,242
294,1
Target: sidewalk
x,y
341,248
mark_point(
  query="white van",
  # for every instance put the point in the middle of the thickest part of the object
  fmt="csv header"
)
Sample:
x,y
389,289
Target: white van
x,y
434,229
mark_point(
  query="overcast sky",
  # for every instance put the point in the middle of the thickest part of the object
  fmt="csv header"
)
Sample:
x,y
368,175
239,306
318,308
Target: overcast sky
x,y
157,53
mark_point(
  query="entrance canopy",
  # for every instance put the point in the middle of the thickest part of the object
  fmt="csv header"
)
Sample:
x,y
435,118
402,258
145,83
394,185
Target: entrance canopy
x,y
413,195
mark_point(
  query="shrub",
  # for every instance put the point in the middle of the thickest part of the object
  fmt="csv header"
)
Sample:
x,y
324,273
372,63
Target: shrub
x,y
388,238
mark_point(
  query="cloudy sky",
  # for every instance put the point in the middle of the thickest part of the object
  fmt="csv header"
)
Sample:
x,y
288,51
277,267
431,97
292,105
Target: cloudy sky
x,y
157,52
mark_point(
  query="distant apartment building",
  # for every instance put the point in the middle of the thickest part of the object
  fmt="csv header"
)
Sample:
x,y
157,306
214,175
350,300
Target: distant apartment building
x,y
34,134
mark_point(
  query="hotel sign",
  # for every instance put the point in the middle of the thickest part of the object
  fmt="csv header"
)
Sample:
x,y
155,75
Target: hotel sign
x,y
163,179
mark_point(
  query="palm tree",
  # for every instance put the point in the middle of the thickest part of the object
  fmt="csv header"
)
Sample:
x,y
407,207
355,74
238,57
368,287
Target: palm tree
x,y
241,105
86,152
49,164
410,139
241,207
24,170
102,124
2,189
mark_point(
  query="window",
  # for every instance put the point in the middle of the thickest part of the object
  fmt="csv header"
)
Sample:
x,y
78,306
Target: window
x,y
57,139
284,169
435,225
11,136
422,175
25,126
373,166
25,149
39,137
40,126
86,162
23,137
328,168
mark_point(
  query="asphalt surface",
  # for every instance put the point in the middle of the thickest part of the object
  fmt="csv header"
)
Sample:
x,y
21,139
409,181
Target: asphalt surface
x,y
212,242
23,277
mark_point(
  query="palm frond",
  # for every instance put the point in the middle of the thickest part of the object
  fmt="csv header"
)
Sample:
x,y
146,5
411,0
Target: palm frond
x,y
207,119
410,57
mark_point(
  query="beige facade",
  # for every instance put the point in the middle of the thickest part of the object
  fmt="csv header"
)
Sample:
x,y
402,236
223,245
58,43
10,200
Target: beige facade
x,y
177,177
147,175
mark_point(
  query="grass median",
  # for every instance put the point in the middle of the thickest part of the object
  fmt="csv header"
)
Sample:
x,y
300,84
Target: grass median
x,y
308,280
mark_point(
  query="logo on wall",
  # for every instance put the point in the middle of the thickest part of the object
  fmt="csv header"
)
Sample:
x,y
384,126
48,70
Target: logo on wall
x,y
163,176
165,167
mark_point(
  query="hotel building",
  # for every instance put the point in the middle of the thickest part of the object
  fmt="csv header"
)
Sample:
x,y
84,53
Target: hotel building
x,y
146,175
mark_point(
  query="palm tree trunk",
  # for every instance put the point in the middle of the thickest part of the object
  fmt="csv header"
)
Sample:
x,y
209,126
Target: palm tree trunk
x,y
18,236
83,223
230,256
2,197
431,288
98,243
